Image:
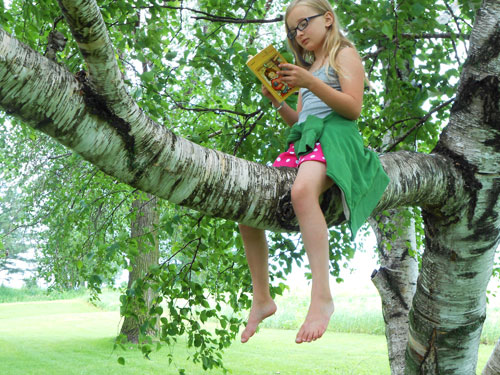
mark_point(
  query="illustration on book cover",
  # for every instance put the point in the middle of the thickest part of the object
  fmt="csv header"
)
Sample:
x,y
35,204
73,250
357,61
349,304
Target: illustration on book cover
x,y
270,70
265,65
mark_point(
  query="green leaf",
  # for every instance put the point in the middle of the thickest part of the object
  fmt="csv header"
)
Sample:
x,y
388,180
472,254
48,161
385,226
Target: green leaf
x,y
387,30
417,9
121,361
148,76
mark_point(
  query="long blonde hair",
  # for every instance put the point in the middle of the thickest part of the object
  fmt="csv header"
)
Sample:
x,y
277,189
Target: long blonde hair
x,y
335,40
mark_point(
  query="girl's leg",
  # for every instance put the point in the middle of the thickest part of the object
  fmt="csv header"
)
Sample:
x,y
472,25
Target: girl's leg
x,y
310,183
257,253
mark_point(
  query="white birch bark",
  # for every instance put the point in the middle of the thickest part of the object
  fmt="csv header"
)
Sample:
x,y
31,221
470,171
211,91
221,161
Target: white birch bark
x,y
493,365
449,306
395,280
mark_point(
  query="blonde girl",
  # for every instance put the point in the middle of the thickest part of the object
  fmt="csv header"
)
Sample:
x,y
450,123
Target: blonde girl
x,y
326,147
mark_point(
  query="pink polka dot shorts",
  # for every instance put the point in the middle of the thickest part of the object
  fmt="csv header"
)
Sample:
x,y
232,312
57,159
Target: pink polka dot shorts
x,y
289,158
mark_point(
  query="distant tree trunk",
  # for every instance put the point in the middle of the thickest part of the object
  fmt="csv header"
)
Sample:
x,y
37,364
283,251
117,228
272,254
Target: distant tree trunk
x,y
493,365
143,229
395,280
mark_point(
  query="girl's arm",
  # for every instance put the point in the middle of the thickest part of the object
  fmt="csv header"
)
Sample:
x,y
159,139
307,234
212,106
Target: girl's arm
x,y
347,102
289,115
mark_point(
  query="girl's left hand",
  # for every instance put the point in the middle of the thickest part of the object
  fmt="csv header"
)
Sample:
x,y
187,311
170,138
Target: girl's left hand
x,y
295,76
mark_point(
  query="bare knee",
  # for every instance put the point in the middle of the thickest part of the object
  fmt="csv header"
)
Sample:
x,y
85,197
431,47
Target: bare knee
x,y
303,197
249,232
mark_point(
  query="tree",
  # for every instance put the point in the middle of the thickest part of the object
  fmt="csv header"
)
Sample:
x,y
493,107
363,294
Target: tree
x,y
396,279
456,185
143,232
12,247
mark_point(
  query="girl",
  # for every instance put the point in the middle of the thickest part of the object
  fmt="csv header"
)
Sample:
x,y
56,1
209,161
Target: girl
x,y
327,148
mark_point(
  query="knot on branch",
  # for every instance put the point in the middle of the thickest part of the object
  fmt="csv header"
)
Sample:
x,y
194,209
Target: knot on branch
x,y
56,43
488,90
96,104
285,213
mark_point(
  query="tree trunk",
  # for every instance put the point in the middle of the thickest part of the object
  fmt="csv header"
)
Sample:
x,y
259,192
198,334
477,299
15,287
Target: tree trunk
x,y
449,306
493,365
396,280
143,230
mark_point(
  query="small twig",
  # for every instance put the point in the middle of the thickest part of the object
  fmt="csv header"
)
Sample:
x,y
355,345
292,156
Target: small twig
x,y
60,156
422,121
434,36
238,20
247,133
214,18
241,25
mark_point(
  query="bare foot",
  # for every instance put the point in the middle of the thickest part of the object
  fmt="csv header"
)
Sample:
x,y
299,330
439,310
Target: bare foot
x,y
316,322
258,312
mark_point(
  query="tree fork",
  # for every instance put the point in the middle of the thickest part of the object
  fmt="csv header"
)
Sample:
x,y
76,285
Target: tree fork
x,y
449,306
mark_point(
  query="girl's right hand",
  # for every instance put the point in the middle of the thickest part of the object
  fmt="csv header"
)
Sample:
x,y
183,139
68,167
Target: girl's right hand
x,y
267,94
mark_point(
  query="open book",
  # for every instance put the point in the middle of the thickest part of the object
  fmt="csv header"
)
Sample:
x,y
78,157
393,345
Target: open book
x,y
265,65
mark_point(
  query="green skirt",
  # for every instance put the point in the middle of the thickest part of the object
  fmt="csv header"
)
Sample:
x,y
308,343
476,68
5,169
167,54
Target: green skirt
x,y
356,170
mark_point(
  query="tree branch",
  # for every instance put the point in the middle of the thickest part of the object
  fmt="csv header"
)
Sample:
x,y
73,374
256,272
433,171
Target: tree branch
x,y
214,18
238,20
422,121
182,172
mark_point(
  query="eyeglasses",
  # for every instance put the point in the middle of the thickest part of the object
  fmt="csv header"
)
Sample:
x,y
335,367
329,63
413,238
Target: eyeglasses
x,y
301,26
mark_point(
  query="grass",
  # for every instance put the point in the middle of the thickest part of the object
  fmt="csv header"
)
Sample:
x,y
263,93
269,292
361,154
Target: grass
x,y
361,312
73,337
35,294
353,314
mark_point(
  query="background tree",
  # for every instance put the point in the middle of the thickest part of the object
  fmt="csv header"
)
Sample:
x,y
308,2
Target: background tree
x,y
13,245
143,232
455,186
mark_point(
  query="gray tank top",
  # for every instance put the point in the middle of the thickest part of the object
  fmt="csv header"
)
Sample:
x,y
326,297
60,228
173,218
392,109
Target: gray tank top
x,y
311,104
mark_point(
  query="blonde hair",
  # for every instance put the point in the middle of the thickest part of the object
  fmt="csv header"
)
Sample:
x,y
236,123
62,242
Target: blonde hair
x,y
334,41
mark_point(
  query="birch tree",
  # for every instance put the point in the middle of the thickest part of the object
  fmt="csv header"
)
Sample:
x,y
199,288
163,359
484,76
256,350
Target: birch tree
x,y
396,279
456,185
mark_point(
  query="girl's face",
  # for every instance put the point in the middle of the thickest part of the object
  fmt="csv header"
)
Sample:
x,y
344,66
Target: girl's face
x,y
313,36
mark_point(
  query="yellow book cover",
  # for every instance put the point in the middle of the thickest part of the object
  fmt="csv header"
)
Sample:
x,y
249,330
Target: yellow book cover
x,y
265,65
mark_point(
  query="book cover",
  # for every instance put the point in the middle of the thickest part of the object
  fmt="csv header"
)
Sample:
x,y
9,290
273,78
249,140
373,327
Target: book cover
x,y
265,65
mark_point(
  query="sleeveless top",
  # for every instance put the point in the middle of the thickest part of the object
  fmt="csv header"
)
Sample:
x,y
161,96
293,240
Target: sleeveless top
x,y
311,104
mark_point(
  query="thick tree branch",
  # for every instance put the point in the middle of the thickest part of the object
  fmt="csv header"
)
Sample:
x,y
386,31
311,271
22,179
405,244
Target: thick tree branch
x,y
180,171
97,49
460,248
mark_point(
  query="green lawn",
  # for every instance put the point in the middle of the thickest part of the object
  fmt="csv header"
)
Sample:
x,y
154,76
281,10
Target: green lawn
x,y
72,337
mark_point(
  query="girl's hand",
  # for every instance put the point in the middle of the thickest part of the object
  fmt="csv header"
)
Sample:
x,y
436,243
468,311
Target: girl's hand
x,y
295,76
266,93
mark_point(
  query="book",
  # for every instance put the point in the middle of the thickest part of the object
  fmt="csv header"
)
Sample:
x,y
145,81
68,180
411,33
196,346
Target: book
x,y
265,65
